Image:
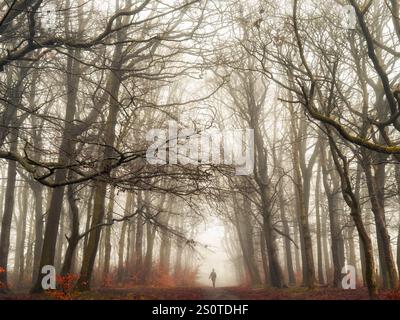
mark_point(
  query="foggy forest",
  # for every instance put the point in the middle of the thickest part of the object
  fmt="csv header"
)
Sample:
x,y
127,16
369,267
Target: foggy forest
x,y
122,124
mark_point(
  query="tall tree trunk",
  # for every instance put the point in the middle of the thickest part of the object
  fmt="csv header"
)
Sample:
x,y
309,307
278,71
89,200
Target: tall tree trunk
x,y
138,262
128,249
2,193
14,95
132,257
375,186
245,235
262,180
352,250
100,186
397,172
151,234
178,259
88,216
65,156
332,194
60,242
121,248
297,239
325,247
7,215
353,202
107,234
304,230
288,244
74,237
37,190
264,259
29,250
302,178
321,278
165,237
19,261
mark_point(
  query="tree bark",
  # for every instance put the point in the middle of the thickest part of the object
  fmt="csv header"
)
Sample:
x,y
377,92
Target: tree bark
x,y
337,241
121,248
7,215
14,95
73,238
321,277
66,152
100,186
19,262
287,241
374,184
107,235
355,210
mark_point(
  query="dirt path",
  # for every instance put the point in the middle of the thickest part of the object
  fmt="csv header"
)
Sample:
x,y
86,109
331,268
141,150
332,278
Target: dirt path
x,y
206,293
196,293
230,293
218,294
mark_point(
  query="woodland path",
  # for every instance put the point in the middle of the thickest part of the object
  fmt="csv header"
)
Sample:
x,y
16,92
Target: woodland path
x,y
219,294
208,293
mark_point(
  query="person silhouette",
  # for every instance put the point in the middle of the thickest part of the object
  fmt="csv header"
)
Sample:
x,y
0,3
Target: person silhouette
x,y
213,277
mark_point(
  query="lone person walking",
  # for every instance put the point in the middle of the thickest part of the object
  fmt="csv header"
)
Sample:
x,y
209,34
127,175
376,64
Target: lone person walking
x,y
213,277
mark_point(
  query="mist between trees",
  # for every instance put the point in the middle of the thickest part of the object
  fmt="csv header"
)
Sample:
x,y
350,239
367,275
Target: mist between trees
x,y
83,82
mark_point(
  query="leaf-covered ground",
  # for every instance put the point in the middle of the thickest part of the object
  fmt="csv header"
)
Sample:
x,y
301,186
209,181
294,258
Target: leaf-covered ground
x,y
200,293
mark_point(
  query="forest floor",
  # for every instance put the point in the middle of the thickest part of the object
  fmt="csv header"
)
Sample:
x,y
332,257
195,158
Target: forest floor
x,y
206,293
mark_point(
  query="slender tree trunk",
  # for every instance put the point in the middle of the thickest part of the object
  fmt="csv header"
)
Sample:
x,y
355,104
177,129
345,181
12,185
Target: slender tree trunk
x,y
60,242
7,215
388,268
321,278
352,250
29,250
297,239
121,248
19,262
128,249
2,193
262,180
165,237
288,244
90,252
132,256
397,171
107,234
138,264
37,190
14,95
325,247
66,152
353,202
245,235
73,238
113,87
88,216
178,260
151,234
302,190
264,258
337,241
